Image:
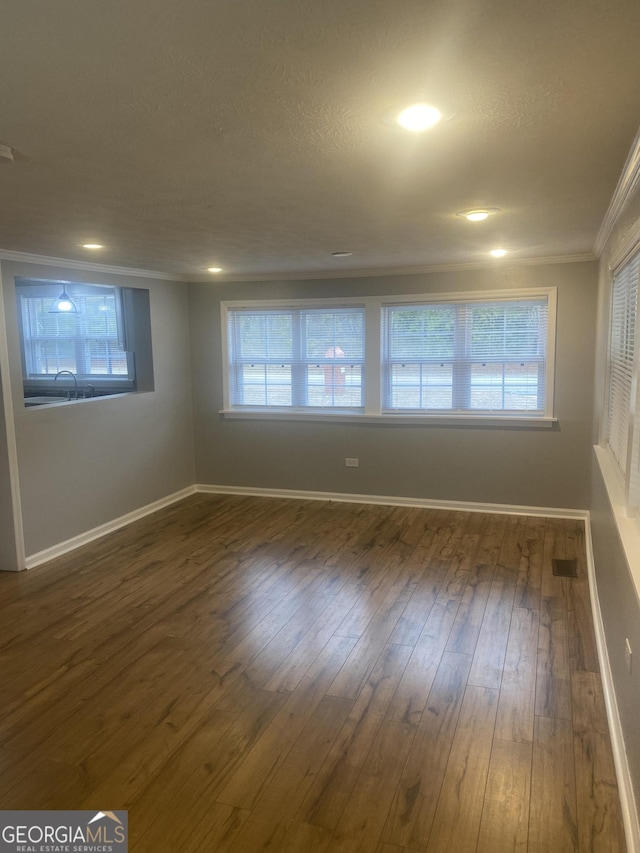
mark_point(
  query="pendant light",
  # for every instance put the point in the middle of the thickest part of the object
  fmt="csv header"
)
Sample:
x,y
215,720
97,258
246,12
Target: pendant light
x,y
63,304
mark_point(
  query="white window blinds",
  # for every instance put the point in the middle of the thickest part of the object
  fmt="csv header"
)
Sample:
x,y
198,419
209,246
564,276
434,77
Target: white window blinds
x,y
470,357
621,361
296,358
476,356
89,342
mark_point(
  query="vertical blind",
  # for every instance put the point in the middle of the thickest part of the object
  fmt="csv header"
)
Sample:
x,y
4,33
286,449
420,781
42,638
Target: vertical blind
x,y
622,338
475,356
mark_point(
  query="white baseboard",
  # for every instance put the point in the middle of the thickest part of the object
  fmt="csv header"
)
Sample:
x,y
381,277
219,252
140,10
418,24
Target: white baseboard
x,y
33,560
386,500
623,773
61,548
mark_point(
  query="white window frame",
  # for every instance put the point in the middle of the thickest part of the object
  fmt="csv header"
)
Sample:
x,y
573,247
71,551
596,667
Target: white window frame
x,y
133,335
625,399
298,361
80,340
373,368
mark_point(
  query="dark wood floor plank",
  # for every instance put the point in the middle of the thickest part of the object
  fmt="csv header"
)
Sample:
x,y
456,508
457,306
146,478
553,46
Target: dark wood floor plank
x,y
427,589
491,540
304,838
518,688
264,665
265,758
589,711
413,807
365,607
413,690
491,648
191,780
552,817
360,663
530,569
294,667
456,823
555,548
360,826
269,820
215,831
338,775
247,674
600,826
512,544
466,628
553,679
583,650
505,815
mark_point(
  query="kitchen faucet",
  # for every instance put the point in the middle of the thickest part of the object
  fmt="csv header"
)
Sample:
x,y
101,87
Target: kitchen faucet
x,y
75,381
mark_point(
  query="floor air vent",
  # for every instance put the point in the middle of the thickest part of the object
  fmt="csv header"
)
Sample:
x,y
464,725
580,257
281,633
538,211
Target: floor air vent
x,y
565,568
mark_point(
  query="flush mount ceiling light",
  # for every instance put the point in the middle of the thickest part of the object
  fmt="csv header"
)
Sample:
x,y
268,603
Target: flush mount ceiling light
x,y
92,246
478,214
341,254
498,253
214,269
63,304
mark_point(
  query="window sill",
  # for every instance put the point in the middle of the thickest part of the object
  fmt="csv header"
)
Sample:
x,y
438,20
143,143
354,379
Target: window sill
x,y
628,526
56,402
508,421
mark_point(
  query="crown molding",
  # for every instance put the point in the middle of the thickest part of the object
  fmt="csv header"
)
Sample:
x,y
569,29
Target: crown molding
x,y
628,247
292,275
392,271
627,185
92,266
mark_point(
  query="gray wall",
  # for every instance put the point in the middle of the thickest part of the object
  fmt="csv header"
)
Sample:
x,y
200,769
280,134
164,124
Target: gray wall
x,y
617,592
620,607
523,466
85,464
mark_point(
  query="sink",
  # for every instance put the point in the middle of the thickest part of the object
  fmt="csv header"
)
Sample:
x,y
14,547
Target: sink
x,y
43,401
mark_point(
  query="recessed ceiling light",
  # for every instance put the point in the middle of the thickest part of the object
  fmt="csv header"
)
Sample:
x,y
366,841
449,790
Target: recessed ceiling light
x,y
341,254
498,253
92,246
478,214
214,269
419,117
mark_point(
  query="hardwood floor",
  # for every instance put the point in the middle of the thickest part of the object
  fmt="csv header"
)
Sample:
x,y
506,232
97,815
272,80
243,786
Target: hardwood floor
x,y
248,674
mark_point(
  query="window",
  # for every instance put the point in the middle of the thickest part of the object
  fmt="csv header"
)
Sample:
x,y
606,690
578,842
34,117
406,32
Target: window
x,y
622,440
104,340
89,342
465,356
458,357
296,357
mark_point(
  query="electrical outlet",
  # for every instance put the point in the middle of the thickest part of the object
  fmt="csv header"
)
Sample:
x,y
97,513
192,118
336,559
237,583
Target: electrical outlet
x,y
628,654
351,463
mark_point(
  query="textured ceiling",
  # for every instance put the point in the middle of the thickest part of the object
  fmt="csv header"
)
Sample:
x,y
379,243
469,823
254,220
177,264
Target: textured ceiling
x,y
249,135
